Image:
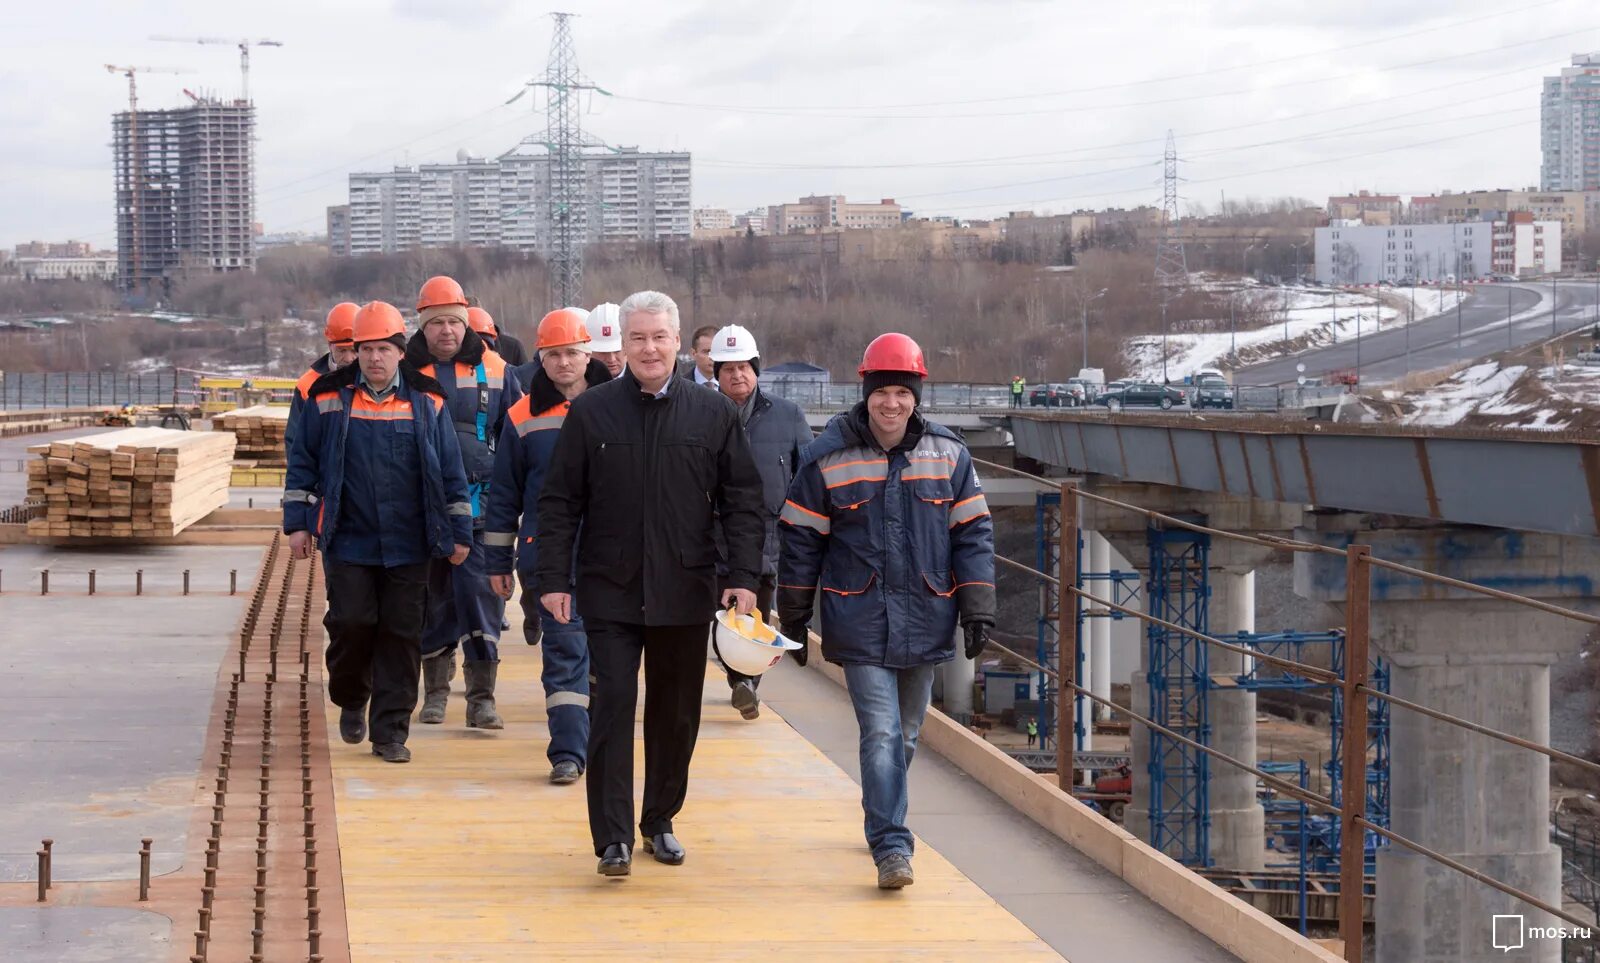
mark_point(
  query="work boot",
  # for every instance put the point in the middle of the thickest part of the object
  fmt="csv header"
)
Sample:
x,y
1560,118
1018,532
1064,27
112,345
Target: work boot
x,y
565,772
894,872
353,725
746,700
480,695
391,751
437,673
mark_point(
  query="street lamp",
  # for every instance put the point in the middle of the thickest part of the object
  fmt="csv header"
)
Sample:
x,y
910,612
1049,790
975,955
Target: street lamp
x,y
1085,306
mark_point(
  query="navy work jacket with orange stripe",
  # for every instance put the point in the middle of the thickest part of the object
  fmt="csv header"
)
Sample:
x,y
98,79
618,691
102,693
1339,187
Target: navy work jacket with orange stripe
x,y
397,455
527,443
901,544
302,394
476,408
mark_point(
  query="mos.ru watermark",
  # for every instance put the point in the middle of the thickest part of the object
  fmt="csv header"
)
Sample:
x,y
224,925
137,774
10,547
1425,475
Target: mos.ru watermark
x,y
1511,932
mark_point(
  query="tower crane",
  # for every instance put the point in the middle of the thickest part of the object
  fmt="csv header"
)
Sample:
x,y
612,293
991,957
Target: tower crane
x,y
135,183
244,44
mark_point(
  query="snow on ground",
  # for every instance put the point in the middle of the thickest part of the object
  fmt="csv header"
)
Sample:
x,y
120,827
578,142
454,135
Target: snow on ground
x,y
1481,389
1303,317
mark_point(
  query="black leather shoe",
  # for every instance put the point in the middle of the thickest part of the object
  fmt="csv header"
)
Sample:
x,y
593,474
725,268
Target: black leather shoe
x,y
665,848
617,861
352,725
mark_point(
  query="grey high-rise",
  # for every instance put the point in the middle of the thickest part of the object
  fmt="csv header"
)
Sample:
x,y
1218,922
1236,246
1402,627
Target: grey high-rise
x,y
1570,127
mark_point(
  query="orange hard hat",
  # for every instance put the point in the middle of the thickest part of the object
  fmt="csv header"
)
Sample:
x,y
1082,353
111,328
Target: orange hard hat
x,y
893,352
377,321
337,330
480,321
440,290
562,327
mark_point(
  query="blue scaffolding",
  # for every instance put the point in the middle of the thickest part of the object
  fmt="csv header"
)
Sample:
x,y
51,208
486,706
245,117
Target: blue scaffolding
x,y
1119,587
1180,775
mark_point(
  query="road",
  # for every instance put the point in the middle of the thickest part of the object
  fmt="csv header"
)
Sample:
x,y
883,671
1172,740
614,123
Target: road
x,y
1433,343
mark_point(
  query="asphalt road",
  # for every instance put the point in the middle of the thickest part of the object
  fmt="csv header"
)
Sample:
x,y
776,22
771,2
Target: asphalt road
x,y
1480,331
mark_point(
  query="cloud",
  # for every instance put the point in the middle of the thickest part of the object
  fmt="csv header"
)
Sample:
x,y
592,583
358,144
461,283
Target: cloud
x,y
464,13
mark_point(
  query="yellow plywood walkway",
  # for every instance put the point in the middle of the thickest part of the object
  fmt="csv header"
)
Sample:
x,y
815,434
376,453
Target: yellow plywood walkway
x,y
468,854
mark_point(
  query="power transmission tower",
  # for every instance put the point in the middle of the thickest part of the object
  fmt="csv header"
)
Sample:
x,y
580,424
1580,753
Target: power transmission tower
x,y
568,208
1172,269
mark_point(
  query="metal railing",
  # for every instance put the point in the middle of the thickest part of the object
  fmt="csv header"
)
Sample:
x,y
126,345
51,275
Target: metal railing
x,y
936,395
1354,684
65,389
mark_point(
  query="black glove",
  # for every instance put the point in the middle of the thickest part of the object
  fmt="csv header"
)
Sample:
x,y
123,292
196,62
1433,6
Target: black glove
x,y
796,632
977,638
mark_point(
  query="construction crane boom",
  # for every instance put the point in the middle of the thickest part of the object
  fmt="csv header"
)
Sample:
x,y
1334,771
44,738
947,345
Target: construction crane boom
x,y
244,44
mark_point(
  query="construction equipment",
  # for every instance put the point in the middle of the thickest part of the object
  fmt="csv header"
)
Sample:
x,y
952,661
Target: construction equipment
x,y
1111,793
244,46
135,180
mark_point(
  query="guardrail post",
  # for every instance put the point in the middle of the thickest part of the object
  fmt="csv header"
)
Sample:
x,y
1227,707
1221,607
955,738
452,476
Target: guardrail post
x,y
1353,807
1066,639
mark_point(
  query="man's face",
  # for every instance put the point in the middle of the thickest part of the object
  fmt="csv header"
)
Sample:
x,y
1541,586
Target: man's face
x,y
890,408
702,355
379,360
737,380
341,355
651,344
613,360
564,365
444,335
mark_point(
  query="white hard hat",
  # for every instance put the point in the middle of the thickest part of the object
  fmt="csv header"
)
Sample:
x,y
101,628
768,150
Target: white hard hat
x,y
748,645
605,328
734,343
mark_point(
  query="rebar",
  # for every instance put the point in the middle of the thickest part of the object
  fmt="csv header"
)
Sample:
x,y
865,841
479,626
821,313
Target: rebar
x,y
144,870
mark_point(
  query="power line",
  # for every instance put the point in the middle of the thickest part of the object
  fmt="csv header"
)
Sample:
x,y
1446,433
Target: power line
x,y
1081,108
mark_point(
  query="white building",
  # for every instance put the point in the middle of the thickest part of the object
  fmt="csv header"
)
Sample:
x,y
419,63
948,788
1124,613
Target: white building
x,y
1569,127
712,219
630,196
94,267
1353,253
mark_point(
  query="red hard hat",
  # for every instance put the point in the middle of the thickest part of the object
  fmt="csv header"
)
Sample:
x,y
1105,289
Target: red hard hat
x,y
561,327
337,330
377,321
440,290
480,321
893,352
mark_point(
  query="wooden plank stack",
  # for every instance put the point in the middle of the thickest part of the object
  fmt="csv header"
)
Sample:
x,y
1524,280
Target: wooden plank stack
x,y
259,430
134,483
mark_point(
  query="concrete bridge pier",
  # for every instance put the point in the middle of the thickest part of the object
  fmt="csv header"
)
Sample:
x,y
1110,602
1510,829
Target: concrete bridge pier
x,y
1237,838
1478,800
1099,629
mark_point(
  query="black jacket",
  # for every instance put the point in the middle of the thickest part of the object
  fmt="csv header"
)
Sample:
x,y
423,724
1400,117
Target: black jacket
x,y
510,348
617,487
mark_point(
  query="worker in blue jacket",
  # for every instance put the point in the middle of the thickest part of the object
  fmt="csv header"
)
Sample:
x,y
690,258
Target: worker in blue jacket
x,y
886,515
463,610
511,530
375,480
341,352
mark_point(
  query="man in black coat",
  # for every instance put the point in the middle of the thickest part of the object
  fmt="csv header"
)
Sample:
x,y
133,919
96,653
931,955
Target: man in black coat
x,y
643,466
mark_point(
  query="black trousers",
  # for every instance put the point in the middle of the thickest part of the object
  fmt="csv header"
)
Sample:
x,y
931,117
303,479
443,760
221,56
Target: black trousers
x,y
764,595
374,624
674,678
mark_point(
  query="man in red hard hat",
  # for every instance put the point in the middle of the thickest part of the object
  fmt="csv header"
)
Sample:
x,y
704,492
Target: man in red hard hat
x,y
463,610
511,530
887,516
375,479
337,331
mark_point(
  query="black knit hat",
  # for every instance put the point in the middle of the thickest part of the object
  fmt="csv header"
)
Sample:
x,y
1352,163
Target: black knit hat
x,y
873,380
398,340
716,367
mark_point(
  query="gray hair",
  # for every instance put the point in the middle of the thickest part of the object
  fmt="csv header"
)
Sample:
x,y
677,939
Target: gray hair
x,y
648,302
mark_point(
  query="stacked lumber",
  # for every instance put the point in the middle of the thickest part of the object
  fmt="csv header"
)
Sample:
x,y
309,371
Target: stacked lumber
x,y
259,430
134,483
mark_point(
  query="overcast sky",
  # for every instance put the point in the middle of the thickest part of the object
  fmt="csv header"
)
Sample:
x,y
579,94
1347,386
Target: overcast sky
x,y
964,107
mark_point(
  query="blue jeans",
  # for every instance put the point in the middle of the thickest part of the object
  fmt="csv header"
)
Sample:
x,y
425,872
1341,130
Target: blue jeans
x,y
890,705
565,676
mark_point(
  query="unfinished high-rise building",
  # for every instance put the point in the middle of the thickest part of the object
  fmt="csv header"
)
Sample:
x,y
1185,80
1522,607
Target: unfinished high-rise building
x,y
185,192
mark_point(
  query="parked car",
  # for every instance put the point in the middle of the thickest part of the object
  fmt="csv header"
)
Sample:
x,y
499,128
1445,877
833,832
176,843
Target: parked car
x,y
1503,277
1211,391
1407,282
1082,391
1143,394
1049,396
